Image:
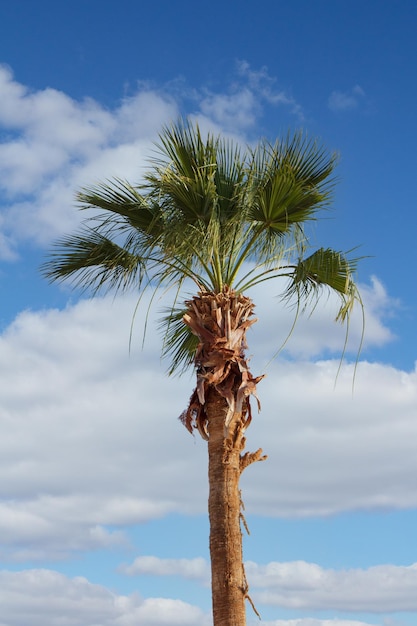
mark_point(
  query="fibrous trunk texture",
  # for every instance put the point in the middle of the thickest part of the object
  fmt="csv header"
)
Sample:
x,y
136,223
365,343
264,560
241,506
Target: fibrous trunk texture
x,y
228,580
220,410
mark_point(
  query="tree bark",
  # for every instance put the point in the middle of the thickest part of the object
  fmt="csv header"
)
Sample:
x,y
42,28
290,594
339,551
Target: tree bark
x,y
229,588
220,410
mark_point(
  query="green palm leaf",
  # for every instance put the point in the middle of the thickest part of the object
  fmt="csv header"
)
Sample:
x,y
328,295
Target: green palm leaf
x,y
92,261
206,208
325,268
179,344
293,181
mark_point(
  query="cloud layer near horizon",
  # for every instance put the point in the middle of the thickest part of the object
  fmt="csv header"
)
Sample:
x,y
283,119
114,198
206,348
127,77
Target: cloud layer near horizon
x,y
72,398
79,414
31,595
301,585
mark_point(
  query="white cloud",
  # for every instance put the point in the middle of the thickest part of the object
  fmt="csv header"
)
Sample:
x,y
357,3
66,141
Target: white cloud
x,y
346,100
42,596
316,332
79,416
260,81
72,398
53,145
194,569
338,451
311,621
301,585
239,109
305,586
73,430
234,110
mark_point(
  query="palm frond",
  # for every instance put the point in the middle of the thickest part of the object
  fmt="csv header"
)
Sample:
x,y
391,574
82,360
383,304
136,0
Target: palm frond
x,y
92,261
309,160
325,268
179,343
120,198
292,182
206,210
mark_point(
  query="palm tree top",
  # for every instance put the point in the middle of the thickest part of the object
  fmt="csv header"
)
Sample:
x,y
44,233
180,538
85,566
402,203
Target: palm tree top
x,y
213,212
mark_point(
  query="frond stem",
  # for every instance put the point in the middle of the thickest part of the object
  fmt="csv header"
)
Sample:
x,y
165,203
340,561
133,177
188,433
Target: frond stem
x,y
259,278
245,252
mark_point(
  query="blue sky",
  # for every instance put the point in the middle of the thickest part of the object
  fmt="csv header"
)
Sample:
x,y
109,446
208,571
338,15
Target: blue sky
x,y
102,492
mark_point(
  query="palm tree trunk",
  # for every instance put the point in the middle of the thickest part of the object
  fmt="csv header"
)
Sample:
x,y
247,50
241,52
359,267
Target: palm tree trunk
x,y
220,409
228,580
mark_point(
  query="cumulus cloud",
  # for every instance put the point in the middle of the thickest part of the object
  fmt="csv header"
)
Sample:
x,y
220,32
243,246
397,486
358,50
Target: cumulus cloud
x,y
316,332
338,450
52,145
194,569
235,110
346,100
311,621
42,596
301,585
307,586
73,431
241,107
79,415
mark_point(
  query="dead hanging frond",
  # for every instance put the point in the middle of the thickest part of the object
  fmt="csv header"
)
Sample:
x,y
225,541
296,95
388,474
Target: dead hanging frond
x,y
195,417
254,609
220,322
246,592
251,457
242,515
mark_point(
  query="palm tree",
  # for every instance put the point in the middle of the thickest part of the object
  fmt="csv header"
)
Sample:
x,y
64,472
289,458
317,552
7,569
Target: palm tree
x,y
225,219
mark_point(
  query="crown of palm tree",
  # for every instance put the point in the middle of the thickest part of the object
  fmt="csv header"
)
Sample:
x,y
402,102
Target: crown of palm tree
x,y
207,211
